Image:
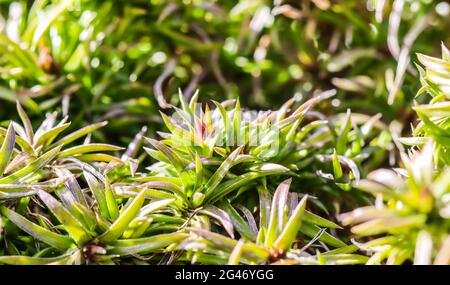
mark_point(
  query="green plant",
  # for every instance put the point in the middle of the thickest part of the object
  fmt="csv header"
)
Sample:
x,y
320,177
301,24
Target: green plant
x,y
212,153
412,208
276,241
120,61
433,116
258,160
208,156
411,213
91,226
30,159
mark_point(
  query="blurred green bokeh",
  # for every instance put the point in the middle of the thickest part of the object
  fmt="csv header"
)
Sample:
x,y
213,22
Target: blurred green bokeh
x,y
99,60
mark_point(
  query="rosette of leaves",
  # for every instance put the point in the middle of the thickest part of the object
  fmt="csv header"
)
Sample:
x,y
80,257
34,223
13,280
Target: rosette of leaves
x,y
342,149
72,225
211,153
410,220
69,223
32,159
434,117
276,240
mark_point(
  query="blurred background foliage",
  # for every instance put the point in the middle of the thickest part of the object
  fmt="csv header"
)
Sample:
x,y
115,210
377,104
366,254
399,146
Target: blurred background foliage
x,y
99,60
124,61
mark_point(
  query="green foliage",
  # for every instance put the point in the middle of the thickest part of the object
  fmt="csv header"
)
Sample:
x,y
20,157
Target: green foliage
x,y
434,116
294,120
108,59
210,159
411,213
274,241
412,208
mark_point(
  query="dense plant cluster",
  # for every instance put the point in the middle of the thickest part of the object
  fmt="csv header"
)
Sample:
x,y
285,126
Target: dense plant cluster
x,y
232,132
413,205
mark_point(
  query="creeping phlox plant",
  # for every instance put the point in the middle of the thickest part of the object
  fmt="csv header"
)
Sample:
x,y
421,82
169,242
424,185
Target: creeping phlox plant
x,y
73,205
266,163
413,202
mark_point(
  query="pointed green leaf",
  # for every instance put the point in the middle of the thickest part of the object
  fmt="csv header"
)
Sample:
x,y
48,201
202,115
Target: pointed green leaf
x,y
277,212
176,161
220,173
146,245
111,203
97,188
69,222
221,216
342,139
319,221
26,146
34,166
248,250
7,148
153,206
183,102
235,255
79,133
28,260
47,137
121,224
237,121
26,123
259,171
238,222
312,230
56,240
289,233
94,147
337,168
193,102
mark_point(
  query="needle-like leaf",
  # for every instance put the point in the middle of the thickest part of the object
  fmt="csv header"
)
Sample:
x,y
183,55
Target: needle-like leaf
x,y
7,148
